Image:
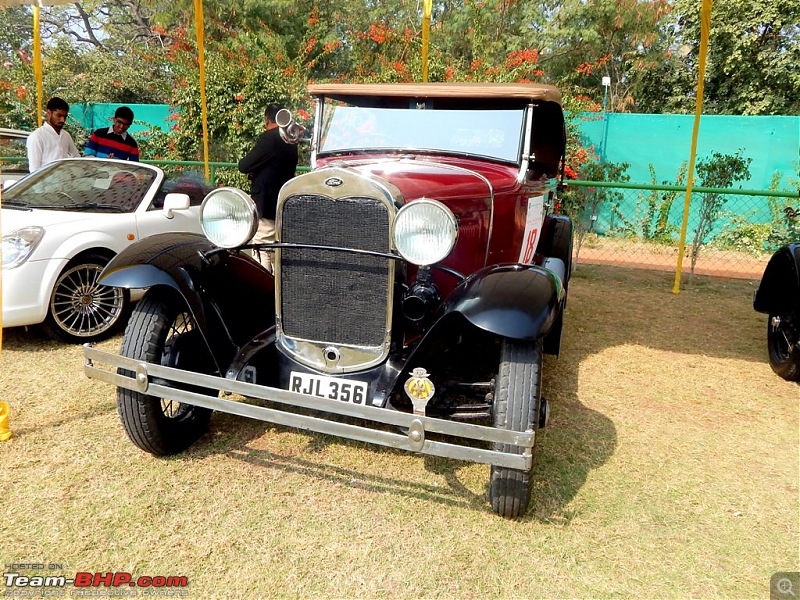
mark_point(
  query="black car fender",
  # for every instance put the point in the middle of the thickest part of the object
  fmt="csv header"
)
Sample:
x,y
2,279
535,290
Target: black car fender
x,y
205,277
513,301
779,289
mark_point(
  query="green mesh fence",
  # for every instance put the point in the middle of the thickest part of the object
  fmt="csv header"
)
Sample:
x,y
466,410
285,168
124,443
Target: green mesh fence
x,y
730,233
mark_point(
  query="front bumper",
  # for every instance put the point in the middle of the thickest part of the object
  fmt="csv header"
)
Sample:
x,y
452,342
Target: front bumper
x,y
153,379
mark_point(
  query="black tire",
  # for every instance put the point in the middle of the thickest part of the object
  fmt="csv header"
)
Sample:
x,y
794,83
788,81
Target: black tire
x,y
80,309
162,331
516,407
783,332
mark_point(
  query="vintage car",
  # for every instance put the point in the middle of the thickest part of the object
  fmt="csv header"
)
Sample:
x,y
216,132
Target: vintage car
x,y
778,295
63,223
420,274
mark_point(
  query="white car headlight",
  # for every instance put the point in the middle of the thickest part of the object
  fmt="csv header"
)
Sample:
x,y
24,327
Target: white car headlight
x,y
228,217
425,231
19,245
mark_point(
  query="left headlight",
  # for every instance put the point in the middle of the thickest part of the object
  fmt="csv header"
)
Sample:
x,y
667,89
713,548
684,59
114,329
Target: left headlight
x,y
19,245
425,231
228,217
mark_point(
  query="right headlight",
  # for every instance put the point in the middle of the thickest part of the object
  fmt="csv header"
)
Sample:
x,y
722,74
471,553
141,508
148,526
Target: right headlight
x,y
19,245
425,231
228,217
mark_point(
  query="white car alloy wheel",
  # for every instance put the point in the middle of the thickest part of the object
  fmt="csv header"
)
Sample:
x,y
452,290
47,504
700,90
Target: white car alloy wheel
x,y
80,309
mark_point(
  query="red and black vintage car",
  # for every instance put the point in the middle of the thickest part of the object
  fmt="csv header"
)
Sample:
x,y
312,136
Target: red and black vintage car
x,y
419,276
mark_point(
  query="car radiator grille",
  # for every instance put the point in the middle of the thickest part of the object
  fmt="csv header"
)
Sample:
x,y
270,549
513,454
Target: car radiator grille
x,y
329,296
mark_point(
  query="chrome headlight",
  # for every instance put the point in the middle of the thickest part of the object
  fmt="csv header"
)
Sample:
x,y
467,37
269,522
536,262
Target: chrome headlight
x,y
228,217
19,245
425,231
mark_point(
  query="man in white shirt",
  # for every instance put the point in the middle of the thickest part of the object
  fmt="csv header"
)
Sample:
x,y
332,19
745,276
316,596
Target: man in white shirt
x,y
50,142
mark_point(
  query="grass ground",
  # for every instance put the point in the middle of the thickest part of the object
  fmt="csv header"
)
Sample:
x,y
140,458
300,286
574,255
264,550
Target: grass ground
x,y
669,469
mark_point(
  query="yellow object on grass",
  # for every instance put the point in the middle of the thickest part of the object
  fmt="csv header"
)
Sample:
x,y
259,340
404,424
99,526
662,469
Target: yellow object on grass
x,y
5,432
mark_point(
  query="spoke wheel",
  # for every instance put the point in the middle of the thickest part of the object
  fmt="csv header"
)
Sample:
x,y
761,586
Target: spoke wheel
x,y
516,407
162,331
783,344
82,310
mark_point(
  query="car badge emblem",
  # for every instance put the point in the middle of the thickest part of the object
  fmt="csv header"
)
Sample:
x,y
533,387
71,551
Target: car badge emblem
x,y
333,182
420,390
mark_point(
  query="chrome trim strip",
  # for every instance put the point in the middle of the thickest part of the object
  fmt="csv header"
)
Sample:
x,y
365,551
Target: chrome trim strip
x,y
415,441
526,149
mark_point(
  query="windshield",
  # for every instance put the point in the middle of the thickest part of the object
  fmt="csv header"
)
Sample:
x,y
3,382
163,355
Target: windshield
x,y
83,184
495,134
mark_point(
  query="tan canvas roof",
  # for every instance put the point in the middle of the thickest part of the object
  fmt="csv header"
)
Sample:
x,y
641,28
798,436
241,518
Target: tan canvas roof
x,y
532,91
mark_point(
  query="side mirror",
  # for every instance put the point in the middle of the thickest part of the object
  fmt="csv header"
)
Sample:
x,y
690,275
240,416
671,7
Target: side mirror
x,y
173,202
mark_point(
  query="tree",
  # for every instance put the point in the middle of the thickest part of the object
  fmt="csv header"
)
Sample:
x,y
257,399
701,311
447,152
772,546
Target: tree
x,y
715,171
586,40
754,50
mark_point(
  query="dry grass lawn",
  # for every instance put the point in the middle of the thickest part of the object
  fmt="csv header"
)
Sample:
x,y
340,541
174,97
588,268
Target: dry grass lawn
x,y
669,469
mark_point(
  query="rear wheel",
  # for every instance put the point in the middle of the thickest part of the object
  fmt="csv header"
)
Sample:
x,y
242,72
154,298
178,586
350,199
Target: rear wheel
x,y
516,407
783,343
162,331
82,310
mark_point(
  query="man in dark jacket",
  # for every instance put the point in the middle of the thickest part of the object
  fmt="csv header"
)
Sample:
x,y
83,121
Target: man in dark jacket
x,y
271,163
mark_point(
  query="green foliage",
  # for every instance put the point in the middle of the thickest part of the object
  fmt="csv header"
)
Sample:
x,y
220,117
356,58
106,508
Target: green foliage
x,y
583,204
650,219
753,53
742,235
716,171
620,39
784,224
243,73
784,214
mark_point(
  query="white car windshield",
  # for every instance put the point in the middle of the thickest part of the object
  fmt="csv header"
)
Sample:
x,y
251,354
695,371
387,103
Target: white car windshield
x,y
82,185
495,134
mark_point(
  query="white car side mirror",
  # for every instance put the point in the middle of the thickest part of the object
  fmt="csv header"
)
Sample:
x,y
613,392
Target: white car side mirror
x,y
174,202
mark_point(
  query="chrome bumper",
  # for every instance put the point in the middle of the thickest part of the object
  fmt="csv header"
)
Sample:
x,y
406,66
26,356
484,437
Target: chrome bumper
x,y
146,374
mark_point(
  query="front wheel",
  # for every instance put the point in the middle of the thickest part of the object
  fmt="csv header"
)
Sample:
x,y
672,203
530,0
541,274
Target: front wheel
x,y
80,309
162,331
516,407
783,344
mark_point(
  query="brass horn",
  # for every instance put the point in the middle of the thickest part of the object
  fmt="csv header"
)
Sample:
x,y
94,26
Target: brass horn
x,y
291,131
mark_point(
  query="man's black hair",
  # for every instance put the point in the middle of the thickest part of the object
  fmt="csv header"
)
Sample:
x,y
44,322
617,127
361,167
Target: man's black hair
x,y
271,111
123,112
56,103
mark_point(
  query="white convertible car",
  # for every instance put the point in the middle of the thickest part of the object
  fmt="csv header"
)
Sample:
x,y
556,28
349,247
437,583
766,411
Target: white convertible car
x,y
62,224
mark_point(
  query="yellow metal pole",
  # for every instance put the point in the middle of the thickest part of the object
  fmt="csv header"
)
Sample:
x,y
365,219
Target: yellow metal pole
x,y
705,27
198,25
37,64
427,6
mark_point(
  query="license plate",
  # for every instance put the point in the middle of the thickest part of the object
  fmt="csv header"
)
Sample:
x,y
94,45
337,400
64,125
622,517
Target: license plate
x,y
333,388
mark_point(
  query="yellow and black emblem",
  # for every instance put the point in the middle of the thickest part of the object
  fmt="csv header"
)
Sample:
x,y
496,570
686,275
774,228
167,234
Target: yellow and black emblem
x,y
420,389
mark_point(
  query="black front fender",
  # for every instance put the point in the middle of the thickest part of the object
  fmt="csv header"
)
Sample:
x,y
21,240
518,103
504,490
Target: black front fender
x,y
514,301
180,262
779,289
